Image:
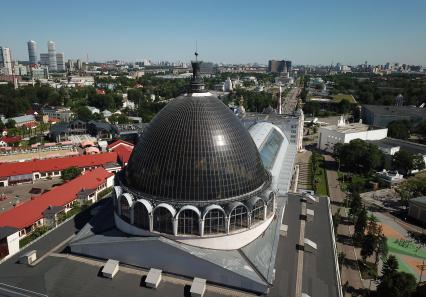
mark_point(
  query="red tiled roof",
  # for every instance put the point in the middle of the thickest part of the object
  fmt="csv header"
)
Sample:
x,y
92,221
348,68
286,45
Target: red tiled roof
x,y
54,120
118,142
123,149
12,139
30,124
123,153
28,213
56,164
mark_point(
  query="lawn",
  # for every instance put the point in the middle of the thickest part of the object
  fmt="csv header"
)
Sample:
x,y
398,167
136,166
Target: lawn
x,y
339,97
319,175
409,249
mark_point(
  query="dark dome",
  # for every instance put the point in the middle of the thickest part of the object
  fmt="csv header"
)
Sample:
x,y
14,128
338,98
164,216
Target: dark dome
x,y
196,150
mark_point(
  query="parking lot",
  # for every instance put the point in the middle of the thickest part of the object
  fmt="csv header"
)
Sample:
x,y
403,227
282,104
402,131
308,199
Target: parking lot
x,y
22,193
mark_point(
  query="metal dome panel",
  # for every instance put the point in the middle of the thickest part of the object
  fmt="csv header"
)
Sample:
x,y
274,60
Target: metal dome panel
x,y
196,150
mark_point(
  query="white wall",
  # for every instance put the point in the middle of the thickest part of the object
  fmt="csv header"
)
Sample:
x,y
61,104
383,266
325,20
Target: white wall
x,y
331,137
13,243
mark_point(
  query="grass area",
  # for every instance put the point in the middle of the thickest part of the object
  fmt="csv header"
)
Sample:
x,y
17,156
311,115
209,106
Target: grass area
x,y
318,175
408,250
402,267
339,97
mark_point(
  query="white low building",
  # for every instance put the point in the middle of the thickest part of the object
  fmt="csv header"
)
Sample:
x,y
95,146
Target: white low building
x,y
344,133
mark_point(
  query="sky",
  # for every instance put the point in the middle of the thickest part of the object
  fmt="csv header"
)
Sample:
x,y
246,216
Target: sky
x,y
233,31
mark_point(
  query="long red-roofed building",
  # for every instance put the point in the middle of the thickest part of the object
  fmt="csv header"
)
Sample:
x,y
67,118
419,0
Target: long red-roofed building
x,y
44,209
20,172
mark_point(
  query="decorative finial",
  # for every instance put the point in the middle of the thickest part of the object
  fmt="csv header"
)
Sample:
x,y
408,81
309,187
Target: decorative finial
x,y
196,51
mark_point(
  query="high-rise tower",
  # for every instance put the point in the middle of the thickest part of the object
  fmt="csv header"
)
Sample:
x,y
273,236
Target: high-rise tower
x,y
51,49
32,52
6,60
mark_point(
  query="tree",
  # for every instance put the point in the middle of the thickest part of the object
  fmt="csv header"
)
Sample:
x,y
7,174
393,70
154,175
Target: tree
x,y
368,246
359,156
119,119
337,217
418,162
344,106
390,266
406,162
10,124
413,187
382,248
399,129
84,114
70,173
355,205
341,259
397,284
360,224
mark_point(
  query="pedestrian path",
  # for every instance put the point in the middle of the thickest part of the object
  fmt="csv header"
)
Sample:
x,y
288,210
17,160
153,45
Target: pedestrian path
x,y
350,274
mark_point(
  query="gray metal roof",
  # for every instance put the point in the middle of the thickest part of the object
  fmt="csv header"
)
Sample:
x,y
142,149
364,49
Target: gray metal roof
x,y
6,231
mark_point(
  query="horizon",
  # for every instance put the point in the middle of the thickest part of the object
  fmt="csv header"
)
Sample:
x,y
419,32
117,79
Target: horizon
x,y
307,33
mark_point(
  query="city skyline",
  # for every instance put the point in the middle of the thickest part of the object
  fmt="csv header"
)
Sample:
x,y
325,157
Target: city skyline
x,y
306,33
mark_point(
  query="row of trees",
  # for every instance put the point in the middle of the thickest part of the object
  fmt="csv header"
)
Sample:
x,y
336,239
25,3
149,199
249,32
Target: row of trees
x,y
358,156
374,89
403,129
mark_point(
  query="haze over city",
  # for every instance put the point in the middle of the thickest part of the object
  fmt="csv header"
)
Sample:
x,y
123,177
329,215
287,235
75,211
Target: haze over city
x,y
307,32
213,148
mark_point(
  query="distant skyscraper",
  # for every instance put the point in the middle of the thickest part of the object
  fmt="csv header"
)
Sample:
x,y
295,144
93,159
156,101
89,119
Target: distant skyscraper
x,y
51,49
279,66
32,52
44,59
6,60
60,61
79,64
70,65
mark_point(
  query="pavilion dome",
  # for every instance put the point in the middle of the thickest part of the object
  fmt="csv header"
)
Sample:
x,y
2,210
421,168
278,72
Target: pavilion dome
x,y
195,150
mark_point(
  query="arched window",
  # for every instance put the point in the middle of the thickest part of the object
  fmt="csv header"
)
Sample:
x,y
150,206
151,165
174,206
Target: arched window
x,y
188,222
214,222
163,220
140,216
125,209
257,212
238,218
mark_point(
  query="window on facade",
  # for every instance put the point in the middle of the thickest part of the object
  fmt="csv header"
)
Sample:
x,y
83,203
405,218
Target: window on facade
x,y
188,222
214,222
125,209
163,220
238,218
257,212
269,150
141,216
270,206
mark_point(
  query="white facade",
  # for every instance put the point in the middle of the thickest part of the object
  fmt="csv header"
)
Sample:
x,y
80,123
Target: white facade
x,y
51,49
228,85
6,60
32,52
60,61
344,133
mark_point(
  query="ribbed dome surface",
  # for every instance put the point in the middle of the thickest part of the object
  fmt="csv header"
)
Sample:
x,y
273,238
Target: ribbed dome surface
x,y
196,150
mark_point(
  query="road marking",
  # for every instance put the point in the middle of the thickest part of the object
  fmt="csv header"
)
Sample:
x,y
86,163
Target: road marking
x,y
20,289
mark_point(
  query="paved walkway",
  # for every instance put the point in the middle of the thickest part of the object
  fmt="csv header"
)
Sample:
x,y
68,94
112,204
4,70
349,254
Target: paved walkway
x,y
349,273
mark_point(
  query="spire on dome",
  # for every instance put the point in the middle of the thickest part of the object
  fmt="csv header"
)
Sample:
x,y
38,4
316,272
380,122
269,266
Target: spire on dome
x,y
197,83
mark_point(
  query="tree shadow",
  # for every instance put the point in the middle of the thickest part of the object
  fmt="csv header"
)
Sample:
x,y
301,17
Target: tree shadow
x,y
345,239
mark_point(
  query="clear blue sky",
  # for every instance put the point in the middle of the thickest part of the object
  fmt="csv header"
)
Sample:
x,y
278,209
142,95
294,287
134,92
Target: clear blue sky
x,y
232,31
